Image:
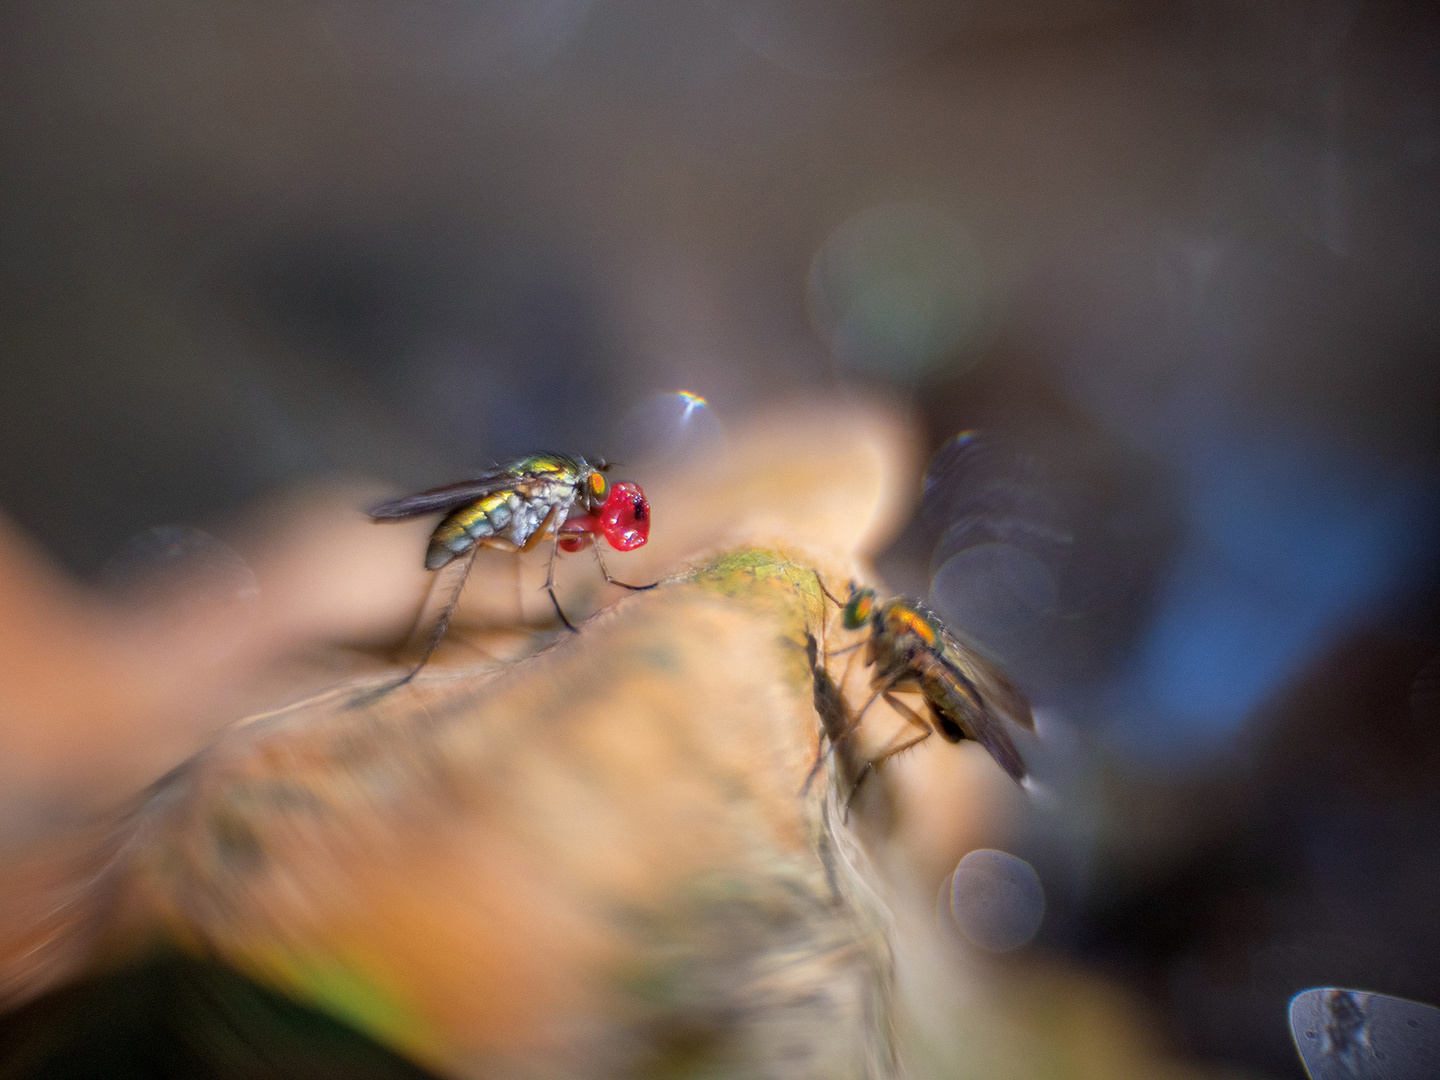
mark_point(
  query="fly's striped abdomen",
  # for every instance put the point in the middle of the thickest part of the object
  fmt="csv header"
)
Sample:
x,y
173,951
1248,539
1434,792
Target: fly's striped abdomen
x,y
958,708
960,711
509,516
462,528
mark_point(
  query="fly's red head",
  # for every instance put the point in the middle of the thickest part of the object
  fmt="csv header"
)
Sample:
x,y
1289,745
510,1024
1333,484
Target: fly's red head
x,y
625,517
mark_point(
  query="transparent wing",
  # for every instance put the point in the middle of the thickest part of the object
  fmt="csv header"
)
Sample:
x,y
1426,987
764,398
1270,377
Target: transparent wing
x,y
990,733
977,716
448,497
995,688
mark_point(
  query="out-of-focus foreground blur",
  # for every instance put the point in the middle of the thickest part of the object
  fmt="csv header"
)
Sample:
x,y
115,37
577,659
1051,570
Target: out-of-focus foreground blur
x,y
1156,283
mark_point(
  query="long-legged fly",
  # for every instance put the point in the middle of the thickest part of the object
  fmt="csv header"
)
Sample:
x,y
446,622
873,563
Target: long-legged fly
x,y
966,696
515,508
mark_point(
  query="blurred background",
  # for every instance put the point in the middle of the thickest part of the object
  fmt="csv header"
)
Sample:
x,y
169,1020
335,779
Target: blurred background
x,y
1158,280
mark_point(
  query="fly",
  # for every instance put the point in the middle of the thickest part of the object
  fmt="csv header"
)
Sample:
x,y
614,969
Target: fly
x,y
539,498
966,696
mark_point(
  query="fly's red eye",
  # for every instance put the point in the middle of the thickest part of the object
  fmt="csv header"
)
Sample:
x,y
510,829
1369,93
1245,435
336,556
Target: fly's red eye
x,y
625,517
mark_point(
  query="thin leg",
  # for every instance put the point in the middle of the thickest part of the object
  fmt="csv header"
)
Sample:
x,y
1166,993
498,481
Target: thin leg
x,y
606,571
848,733
827,592
436,633
550,585
907,712
885,755
874,763
854,726
443,623
519,593
424,606
883,688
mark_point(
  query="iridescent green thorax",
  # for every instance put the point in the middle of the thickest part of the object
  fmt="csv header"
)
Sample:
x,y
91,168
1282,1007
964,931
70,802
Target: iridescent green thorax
x,y
549,463
589,482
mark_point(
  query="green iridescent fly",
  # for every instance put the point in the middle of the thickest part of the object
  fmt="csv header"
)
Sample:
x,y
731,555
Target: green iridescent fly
x,y
967,697
537,498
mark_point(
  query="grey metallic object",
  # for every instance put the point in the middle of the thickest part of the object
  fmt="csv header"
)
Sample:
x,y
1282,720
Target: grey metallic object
x,y
1354,1035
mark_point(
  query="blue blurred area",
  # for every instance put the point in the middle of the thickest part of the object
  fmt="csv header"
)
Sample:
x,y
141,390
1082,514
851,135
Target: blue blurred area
x,y
1287,546
1280,548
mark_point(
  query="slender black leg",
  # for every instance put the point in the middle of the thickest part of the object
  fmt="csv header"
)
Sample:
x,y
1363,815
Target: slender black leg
x,y
885,755
881,689
831,597
606,571
550,585
436,633
424,606
443,622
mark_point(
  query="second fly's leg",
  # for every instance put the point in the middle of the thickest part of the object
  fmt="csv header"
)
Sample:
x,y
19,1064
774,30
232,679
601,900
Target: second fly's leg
x,y
827,592
831,597
853,726
885,755
606,571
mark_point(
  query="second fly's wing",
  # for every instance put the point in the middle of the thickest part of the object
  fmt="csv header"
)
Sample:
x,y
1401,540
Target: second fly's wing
x,y
448,497
994,686
959,702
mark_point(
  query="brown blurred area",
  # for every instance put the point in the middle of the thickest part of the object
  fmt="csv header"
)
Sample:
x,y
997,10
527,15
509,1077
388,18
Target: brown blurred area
x,y
600,858
260,264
